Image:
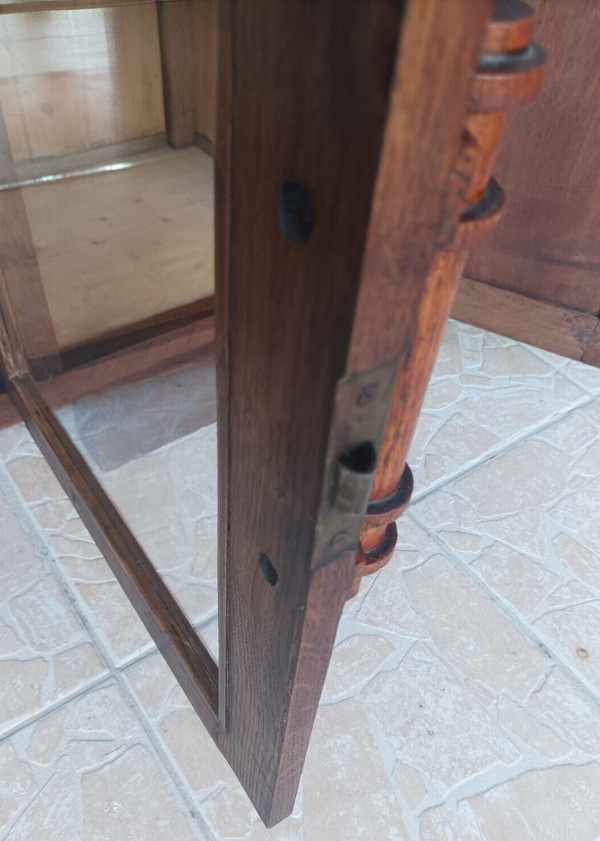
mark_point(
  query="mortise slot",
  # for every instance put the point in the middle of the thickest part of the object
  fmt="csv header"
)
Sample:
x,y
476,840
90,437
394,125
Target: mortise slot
x,y
360,459
268,570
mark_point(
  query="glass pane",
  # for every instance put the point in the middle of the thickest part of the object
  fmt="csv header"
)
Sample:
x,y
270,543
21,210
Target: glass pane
x,y
107,250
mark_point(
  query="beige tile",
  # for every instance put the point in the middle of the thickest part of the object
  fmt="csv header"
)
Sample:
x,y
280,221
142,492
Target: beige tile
x,y
549,805
484,390
578,512
572,714
20,566
87,773
530,475
113,808
157,691
75,668
45,651
521,581
346,791
34,479
17,785
539,737
554,804
451,824
572,593
433,722
53,515
410,784
574,632
388,606
354,660
116,618
11,437
470,633
579,559
22,684
45,617
45,738
204,767
229,813
497,361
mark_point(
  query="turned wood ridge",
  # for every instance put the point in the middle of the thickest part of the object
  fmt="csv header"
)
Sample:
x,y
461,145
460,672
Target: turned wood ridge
x,y
508,77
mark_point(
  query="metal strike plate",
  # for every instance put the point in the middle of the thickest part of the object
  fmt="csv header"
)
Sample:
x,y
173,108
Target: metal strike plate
x,y
361,407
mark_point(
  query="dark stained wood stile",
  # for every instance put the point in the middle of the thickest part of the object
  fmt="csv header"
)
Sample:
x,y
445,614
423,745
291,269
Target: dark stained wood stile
x,y
340,136
311,333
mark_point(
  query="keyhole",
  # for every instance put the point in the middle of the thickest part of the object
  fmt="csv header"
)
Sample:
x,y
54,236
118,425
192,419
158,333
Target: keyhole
x,y
360,459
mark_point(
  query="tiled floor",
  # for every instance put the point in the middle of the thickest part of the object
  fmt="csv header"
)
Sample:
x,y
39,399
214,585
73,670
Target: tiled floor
x,y
463,698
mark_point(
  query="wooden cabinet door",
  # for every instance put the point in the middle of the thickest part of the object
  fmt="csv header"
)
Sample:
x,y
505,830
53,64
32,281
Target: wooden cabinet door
x,y
340,125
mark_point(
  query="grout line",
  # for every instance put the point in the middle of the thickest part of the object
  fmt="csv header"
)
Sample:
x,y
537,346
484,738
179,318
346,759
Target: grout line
x,y
114,671
176,775
501,448
50,709
510,613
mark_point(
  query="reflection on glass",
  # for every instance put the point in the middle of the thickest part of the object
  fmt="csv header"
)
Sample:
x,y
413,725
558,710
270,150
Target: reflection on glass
x,y
115,232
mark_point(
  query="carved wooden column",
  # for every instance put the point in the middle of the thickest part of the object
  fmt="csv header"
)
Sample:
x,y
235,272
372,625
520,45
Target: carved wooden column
x,y
508,76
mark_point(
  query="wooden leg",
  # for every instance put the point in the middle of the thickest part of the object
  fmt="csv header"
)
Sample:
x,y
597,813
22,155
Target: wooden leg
x,y
176,34
509,73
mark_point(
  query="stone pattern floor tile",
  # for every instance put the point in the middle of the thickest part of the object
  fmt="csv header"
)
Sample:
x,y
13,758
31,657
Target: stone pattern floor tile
x,y
46,653
88,773
462,701
532,522
168,498
485,390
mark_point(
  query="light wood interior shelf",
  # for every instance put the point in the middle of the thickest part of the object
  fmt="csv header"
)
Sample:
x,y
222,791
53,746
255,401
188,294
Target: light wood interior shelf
x,y
121,245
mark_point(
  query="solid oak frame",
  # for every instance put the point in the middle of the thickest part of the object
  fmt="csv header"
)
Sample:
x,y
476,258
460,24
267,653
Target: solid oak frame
x,y
320,285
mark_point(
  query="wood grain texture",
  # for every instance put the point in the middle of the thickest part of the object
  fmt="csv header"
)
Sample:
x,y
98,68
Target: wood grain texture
x,y
310,108
177,51
547,246
390,298
542,324
205,53
117,247
80,79
510,29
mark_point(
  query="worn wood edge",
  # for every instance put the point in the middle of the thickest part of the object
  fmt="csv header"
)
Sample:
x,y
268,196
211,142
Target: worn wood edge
x,y
543,324
222,154
147,358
